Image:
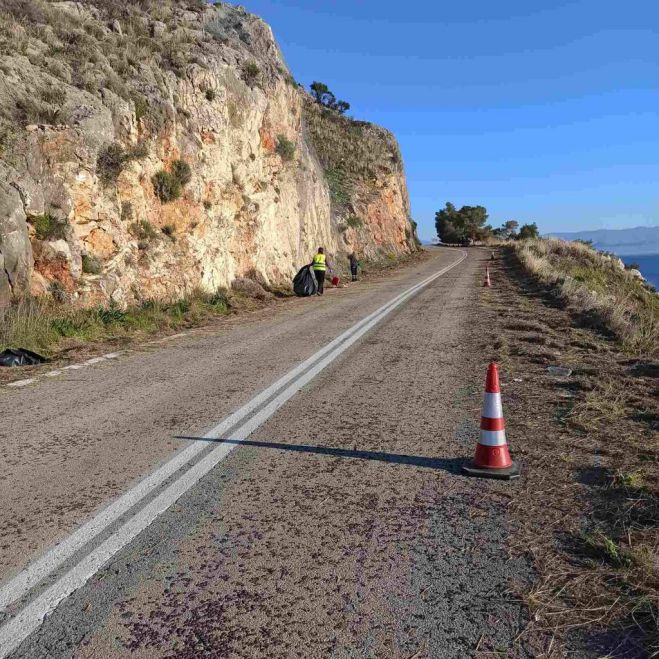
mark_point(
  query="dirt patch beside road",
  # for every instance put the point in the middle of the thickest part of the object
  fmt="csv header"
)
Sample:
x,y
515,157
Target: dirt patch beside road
x,y
588,511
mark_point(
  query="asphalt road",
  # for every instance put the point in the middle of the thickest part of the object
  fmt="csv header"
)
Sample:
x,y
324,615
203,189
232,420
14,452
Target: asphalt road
x,y
333,523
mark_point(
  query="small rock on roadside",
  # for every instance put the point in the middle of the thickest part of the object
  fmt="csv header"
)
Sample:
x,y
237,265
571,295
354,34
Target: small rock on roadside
x,y
559,371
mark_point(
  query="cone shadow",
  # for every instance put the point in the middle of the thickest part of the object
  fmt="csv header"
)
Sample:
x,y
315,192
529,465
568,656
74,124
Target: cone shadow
x,y
451,465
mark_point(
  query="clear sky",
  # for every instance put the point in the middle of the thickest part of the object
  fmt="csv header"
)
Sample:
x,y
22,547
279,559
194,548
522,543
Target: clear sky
x,y
539,110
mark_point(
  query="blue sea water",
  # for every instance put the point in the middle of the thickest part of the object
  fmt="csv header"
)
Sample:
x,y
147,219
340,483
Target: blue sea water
x,y
648,265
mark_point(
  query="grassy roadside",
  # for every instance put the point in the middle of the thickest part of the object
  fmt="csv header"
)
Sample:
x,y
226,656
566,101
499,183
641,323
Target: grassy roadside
x,y
594,287
48,327
587,509
43,325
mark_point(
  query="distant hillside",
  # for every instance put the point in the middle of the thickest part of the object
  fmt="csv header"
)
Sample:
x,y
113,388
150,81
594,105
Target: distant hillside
x,y
640,240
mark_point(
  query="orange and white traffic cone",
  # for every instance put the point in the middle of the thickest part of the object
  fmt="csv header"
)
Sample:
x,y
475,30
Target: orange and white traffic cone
x,y
487,283
492,458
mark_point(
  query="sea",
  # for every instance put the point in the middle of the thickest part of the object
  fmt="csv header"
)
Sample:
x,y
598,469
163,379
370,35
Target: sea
x,y
648,265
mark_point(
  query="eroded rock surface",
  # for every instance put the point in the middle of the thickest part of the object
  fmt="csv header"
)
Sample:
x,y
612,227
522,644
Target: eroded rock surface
x,y
99,100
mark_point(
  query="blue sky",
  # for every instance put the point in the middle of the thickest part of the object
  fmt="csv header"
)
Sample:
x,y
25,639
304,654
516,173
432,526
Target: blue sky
x,y
540,110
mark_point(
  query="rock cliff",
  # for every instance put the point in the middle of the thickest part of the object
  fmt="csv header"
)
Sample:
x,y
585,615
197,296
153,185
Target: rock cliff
x,y
149,148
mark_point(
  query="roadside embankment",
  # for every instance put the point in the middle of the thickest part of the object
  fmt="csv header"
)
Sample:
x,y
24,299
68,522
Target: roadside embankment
x,y
587,513
597,288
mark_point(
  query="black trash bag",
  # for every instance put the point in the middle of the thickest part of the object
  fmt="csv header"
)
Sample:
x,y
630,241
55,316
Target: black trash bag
x,y
305,283
20,357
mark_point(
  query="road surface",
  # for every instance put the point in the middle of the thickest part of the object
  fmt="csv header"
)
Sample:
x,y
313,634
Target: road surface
x,y
279,486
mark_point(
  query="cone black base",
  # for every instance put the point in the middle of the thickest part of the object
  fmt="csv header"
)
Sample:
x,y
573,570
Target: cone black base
x,y
507,474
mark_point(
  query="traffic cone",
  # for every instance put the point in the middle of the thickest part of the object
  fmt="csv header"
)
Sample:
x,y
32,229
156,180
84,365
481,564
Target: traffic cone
x,y
487,283
492,458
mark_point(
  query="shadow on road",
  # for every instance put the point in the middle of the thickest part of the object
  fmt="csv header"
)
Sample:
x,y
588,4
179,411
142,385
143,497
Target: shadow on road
x,y
445,464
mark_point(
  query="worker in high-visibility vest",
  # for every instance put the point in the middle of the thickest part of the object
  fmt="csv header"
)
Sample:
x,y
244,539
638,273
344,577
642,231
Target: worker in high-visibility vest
x,y
319,265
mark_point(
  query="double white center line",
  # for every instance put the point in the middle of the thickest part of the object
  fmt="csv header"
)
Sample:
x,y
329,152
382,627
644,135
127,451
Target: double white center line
x,y
238,425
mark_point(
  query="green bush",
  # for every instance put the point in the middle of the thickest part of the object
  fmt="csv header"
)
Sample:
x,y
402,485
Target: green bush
x,y
338,187
285,148
355,222
111,160
143,230
91,265
141,107
181,170
166,186
210,95
251,73
48,227
110,163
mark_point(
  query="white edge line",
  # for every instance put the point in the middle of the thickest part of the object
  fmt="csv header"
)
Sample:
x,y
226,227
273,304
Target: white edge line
x,y
30,618
21,383
72,367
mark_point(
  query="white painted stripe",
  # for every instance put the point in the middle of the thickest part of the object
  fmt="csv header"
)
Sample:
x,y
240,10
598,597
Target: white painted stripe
x,y
493,437
94,360
72,367
492,406
21,383
30,618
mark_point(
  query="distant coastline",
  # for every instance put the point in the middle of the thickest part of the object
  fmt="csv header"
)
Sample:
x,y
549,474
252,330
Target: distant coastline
x,y
638,241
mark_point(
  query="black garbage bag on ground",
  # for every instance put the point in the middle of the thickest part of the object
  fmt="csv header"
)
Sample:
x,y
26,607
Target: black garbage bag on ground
x,y
305,283
20,357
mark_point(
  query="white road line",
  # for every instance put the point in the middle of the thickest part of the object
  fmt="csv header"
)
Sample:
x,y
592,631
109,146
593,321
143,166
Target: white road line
x,y
31,617
21,383
72,367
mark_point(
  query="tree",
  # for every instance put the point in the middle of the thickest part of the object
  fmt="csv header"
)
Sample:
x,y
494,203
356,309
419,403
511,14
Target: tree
x,y
529,231
508,230
323,96
461,226
318,91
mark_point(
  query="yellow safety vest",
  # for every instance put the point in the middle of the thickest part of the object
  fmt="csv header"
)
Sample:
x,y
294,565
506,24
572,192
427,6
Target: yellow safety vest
x,y
319,262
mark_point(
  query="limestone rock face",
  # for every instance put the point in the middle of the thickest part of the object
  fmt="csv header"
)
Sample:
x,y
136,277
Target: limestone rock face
x,y
173,148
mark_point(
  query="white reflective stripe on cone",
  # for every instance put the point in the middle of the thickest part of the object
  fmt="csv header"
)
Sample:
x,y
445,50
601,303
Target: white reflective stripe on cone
x,y
493,438
492,406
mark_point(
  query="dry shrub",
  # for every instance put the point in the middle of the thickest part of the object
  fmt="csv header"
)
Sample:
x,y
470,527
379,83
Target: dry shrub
x,y
250,288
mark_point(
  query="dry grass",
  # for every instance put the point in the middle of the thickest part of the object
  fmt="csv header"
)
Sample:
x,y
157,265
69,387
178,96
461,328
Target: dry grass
x,y
593,286
587,509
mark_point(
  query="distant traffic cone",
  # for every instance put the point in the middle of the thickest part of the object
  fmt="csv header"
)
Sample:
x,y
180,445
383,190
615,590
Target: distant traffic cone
x,y
487,283
492,458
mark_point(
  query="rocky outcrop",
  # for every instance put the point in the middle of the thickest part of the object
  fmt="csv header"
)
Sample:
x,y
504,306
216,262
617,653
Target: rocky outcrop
x,y
148,149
